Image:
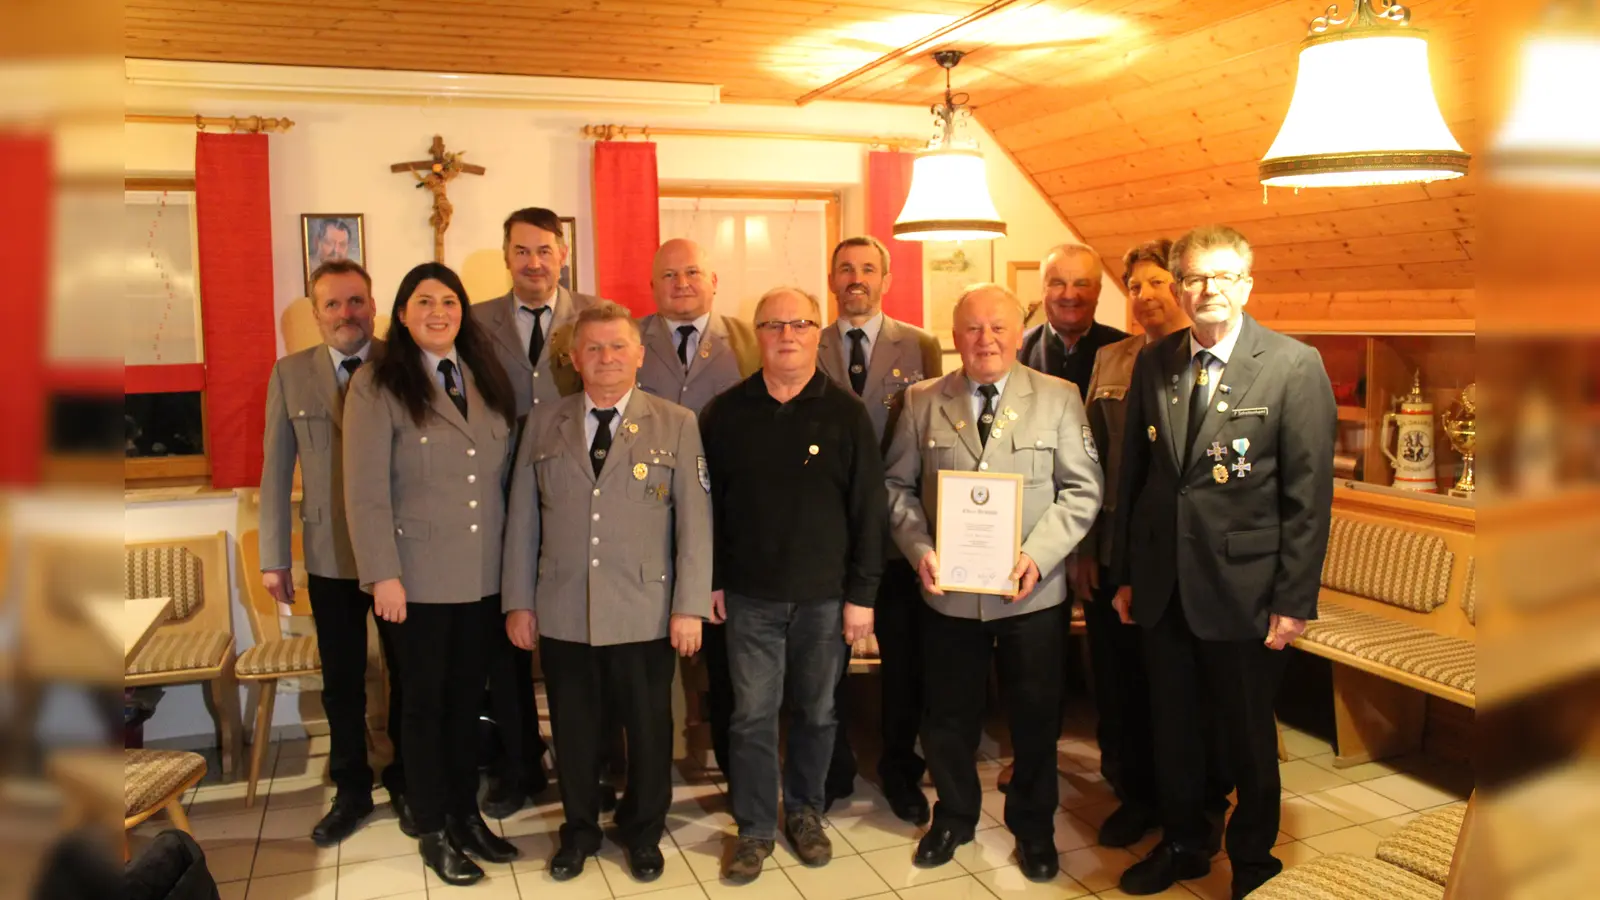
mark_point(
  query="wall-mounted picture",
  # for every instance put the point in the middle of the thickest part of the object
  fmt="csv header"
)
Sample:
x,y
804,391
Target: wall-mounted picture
x,y
569,272
325,236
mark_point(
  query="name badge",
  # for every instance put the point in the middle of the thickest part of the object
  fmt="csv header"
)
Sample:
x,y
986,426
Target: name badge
x,y
1257,411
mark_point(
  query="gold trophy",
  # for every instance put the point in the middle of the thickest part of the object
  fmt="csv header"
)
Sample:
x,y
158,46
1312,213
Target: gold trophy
x,y
1461,427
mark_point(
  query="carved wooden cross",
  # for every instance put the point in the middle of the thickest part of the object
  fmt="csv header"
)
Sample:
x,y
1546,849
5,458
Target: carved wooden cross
x,y
435,173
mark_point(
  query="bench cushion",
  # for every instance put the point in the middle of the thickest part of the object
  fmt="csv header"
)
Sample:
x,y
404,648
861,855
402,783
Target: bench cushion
x,y
1469,595
1342,876
165,572
1397,566
1447,660
181,651
1427,844
290,656
151,776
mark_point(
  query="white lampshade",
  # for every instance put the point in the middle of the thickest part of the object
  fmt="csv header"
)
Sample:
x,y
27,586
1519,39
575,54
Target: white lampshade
x,y
949,199
1363,113
1552,133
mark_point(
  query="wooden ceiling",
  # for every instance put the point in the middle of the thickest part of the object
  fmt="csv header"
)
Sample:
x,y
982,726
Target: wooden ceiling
x,y
1135,118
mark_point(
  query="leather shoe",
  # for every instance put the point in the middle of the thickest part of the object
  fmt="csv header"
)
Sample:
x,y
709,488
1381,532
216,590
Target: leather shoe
x,y
568,862
473,835
1166,865
1248,878
645,862
1126,826
938,847
447,860
908,804
345,816
402,812
1038,860
505,796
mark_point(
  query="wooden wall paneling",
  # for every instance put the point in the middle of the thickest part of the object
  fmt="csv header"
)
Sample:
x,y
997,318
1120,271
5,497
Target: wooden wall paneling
x,y
1366,309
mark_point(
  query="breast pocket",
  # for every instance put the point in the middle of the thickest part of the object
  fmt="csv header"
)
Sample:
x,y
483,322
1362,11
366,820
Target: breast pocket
x,y
553,468
313,429
894,385
650,474
1034,455
939,451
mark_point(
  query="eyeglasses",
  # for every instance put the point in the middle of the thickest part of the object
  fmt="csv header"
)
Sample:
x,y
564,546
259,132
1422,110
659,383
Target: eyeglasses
x,y
1223,280
800,326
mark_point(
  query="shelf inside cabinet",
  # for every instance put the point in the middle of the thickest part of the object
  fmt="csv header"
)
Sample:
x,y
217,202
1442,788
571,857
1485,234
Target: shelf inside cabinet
x,y
1357,414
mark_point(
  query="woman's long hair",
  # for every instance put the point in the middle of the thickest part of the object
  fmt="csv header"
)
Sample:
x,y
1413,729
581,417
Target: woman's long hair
x,y
401,371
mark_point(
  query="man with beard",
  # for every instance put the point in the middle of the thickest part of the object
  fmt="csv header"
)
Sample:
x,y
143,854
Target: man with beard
x,y
877,358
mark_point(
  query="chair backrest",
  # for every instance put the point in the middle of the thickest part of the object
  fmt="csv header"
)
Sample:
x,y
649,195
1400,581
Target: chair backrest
x,y
1402,567
266,623
193,571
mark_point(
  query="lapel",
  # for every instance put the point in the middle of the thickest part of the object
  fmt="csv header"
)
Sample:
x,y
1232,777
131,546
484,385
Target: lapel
x,y
1174,362
634,419
830,355
660,342
1237,376
957,409
562,312
1018,398
441,404
502,316
713,344
570,429
327,383
884,353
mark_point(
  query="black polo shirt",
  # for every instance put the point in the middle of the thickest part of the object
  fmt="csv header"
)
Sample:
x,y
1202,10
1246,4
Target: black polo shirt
x,y
798,500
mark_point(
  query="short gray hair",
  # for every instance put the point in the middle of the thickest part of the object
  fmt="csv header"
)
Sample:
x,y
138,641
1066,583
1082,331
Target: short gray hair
x,y
816,307
1209,237
988,286
605,311
1084,249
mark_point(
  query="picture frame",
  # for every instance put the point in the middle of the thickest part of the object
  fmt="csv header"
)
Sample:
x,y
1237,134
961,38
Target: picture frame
x,y
325,236
569,272
1023,279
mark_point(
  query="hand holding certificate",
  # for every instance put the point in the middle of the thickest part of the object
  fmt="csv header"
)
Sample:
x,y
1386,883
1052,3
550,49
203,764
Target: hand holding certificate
x,y
979,537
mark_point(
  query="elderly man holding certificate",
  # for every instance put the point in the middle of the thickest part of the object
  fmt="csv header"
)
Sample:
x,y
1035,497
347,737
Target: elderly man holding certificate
x,y
998,462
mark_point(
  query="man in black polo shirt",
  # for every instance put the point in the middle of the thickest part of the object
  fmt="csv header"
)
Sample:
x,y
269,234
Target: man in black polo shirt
x,y
799,510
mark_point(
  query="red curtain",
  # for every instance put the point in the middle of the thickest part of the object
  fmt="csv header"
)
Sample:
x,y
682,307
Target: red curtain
x,y
888,183
26,205
627,222
234,220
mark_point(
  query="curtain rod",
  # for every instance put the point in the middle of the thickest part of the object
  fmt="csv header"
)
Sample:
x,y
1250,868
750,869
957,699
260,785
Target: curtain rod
x,y
247,124
615,132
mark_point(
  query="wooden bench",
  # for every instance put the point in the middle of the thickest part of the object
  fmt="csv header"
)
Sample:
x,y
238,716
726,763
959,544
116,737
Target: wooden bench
x,y
1397,617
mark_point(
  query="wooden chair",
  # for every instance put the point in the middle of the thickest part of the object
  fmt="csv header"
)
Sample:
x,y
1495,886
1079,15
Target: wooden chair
x,y
196,643
155,780
274,656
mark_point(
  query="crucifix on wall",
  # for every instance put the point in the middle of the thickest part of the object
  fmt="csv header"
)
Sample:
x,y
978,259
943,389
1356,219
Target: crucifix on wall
x,y
435,174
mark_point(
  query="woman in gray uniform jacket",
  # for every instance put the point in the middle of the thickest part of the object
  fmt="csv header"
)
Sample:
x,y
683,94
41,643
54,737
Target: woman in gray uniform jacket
x,y
427,445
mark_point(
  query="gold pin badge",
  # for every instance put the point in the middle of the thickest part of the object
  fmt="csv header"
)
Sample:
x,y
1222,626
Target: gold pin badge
x,y
1011,414
660,491
813,449
640,470
633,428
705,353
1152,432
960,425
1219,473
895,373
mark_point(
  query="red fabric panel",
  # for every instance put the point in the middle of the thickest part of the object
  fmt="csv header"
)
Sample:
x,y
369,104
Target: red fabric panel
x,y
27,206
166,379
234,220
888,183
86,379
627,222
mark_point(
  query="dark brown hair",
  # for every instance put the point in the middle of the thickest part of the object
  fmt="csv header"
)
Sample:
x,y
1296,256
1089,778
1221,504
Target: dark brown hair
x,y
1156,251
860,240
538,217
1208,237
338,267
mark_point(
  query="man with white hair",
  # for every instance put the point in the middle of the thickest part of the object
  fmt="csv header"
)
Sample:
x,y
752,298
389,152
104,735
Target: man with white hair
x,y
1065,344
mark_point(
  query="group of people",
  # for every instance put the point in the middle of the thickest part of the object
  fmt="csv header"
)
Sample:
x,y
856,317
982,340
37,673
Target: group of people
x,y
544,472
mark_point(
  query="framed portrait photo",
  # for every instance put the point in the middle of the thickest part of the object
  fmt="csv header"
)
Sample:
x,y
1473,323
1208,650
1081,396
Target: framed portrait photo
x,y
569,272
325,236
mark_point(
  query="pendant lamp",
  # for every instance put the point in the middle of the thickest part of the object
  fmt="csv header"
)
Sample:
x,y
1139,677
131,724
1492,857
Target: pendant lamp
x,y
949,197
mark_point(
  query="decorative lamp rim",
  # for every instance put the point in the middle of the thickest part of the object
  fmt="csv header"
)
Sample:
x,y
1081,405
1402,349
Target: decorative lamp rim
x,y
1451,161
917,226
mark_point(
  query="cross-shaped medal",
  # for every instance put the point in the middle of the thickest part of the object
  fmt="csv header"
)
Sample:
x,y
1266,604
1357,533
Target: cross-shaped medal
x,y
660,491
1240,467
1217,451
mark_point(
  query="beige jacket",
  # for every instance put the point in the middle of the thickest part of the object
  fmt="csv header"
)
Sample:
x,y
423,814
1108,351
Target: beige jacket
x,y
728,354
554,377
1108,415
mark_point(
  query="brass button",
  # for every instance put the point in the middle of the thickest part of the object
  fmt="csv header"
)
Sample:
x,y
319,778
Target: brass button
x,y
472,504
597,493
472,451
424,439
594,540
471,479
473,529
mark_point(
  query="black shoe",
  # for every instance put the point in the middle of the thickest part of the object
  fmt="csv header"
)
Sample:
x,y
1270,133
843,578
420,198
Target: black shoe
x,y
342,820
1248,878
1126,826
1038,860
608,797
645,862
474,835
908,804
938,847
568,862
447,860
1166,865
836,789
505,796
402,812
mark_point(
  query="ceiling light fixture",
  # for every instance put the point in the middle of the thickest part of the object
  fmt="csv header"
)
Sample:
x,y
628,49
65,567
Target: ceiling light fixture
x,y
949,197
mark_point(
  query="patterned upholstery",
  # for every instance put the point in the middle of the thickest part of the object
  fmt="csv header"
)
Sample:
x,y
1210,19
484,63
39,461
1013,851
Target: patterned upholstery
x,y
290,656
1342,876
181,651
165,572
1427,844
1447,660
1469,595
1397,566
151,776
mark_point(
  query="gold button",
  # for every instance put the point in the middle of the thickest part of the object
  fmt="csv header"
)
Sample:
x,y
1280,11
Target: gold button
x,y
595,517
536,373
472,504
472,451
301,413
930,442
594,540
471,479
655,459
1038,443
597,493
424,439
473,529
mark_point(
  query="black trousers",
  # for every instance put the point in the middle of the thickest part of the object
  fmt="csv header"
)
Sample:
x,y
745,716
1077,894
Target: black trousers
x,y
633,682
1026,651
719,693
444,651
898,625
339,610
1232,683
511,701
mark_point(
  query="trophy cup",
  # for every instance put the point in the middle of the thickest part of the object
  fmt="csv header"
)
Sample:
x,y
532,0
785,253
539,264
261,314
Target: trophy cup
x,y
1461,427
1412,423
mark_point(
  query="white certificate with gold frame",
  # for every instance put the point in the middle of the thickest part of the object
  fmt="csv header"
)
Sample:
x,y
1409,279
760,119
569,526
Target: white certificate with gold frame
x,y
979,531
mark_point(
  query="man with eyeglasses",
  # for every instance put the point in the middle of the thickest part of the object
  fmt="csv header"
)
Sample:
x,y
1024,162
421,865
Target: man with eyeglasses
x,y
1225,499
798,520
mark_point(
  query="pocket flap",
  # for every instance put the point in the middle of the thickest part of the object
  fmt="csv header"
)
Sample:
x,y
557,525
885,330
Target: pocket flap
x,y
652,573
1110,392
1038,440
653,457
1253,543
310,514
416,529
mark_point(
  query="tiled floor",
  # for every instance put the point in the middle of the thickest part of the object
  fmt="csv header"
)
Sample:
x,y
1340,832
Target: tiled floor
x,y
263,852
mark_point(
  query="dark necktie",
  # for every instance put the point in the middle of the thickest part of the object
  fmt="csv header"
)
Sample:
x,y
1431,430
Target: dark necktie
x,y
602,439
1199,399
858,360
684,333
350,365
986,418
536,337
451,389
1058,347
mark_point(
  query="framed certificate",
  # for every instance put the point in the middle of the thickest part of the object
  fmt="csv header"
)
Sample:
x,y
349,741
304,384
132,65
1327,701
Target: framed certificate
x,y
979,531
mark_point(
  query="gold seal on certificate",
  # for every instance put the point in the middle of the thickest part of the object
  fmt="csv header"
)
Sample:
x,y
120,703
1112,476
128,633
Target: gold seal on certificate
x,y
979,531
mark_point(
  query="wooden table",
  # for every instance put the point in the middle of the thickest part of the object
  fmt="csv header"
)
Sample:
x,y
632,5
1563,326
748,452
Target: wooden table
x,y
133,620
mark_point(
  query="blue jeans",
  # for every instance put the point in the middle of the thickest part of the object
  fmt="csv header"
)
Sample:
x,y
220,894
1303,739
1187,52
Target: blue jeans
x,y
777,652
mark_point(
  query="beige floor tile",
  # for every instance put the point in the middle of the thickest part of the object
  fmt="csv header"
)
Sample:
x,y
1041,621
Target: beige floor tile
x,y
1085,756
301,767
291,823
988,850
674,873
233,891
301,790
542,819
381,878
210,800
1385,827
865,799
1412,792
1295,852
1301,818
1358,841
842,879
298,855
876,830
1072,832
1097,813
1300,776
591,885
1176,892
894,866
536,850
230,860
1356,803
218,829
1007,883
692,891
377,840
496,885
1080,789
692,824
1283,838
1355,773
1300,745
317,884
1218,885
962,887
1097,868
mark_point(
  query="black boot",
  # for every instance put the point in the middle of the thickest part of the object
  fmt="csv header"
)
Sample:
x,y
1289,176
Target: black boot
x,y
473,835
447,860
505,796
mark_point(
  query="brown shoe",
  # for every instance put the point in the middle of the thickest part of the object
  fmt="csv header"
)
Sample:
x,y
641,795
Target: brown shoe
x,y
810,842
749,855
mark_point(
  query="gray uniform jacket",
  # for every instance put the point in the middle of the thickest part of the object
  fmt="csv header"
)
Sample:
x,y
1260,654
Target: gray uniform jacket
x,y
1048,443
728,354
903,356
554,377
